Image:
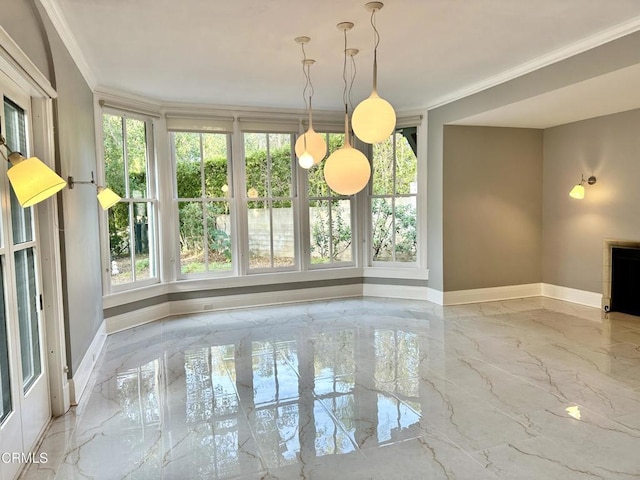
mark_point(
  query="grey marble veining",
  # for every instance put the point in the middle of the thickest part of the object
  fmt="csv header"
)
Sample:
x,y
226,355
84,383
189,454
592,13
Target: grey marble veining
x,y
364,388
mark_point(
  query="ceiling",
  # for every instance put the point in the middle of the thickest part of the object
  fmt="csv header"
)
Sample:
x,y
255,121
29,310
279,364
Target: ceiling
x,y
243,53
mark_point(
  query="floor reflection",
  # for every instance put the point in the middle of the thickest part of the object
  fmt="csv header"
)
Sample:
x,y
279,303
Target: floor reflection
x,y
363,389
301,396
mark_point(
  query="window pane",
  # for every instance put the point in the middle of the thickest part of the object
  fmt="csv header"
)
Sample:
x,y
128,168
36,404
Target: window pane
x,y
382,229
28,316
405,219
215,164
383,167
280,168
188,166
283,234
259,234
256,165
16,138
191,237
341,230
141,234
114,153
317,186
406,167
320,232
137,157
219,238
21,221
120,243
5,380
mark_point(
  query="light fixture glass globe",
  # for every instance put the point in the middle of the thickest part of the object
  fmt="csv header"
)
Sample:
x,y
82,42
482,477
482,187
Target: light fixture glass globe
x,y
306,160
374,119
347,170
313,143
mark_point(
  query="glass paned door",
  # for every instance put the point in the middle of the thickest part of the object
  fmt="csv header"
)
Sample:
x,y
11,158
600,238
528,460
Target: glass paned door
x,y
24,384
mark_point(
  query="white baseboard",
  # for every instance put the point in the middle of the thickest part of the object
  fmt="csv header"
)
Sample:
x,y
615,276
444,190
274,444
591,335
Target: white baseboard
x,y
137,317
582,297
80,378
479,295
395,291
435,296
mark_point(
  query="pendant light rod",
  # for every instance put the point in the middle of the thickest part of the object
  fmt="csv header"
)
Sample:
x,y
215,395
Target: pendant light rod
x,y
373,7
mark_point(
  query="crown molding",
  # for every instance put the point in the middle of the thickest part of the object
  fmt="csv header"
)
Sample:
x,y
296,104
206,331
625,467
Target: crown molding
x,y
608,35
68,38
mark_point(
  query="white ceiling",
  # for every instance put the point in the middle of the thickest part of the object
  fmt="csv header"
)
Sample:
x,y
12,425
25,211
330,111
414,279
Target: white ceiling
x,y
242,52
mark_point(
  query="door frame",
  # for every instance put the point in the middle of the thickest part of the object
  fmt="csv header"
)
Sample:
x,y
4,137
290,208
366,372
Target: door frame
x,y
19,68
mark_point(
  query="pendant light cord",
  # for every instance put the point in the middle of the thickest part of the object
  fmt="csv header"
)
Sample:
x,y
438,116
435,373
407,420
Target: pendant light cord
x,y
305,72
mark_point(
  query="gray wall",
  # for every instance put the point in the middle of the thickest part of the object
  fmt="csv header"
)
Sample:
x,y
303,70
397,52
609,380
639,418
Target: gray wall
x,y
609,57
21,21
492,207
573,231
30,27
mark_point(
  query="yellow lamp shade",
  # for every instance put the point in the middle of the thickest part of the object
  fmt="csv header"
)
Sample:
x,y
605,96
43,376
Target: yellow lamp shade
x,y
577,192
347,170
373,119
313,143
107,198
32,180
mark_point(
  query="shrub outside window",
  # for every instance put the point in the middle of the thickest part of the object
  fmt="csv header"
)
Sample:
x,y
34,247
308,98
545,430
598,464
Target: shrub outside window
x,y
204,194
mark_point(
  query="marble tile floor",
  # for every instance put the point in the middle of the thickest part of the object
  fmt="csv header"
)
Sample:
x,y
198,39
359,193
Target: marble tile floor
x,y
362,388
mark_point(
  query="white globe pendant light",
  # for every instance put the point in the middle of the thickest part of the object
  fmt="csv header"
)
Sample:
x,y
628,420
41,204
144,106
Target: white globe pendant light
x,y
374,119
347,170
310,144
310,147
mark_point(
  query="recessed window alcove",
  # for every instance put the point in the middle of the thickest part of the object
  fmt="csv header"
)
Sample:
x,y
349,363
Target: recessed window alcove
x,y
621,276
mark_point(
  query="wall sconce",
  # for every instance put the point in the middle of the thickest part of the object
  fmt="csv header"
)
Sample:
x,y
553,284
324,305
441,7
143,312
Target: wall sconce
x,y
107,197
31,179
577,192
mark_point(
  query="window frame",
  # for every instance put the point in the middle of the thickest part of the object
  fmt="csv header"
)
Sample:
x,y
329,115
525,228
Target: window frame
x,y
306,224
231,199
393,196
151,200
243,200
